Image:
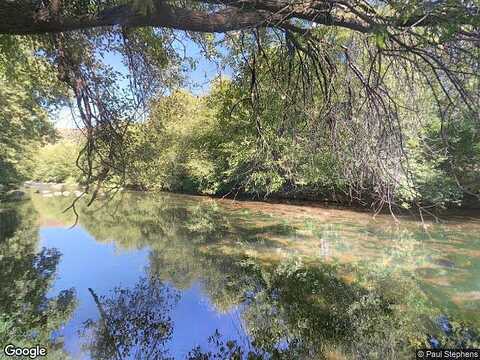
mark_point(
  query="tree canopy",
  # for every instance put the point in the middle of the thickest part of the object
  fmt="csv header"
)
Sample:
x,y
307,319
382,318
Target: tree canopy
x,y
359,77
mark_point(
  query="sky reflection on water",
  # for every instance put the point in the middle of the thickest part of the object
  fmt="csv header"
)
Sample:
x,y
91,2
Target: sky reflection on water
x,y
187,277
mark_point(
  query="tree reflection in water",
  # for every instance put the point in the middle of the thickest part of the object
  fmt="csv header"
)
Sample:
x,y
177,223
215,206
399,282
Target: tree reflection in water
x,y
297,311
291,311
27,315
133,324
291,307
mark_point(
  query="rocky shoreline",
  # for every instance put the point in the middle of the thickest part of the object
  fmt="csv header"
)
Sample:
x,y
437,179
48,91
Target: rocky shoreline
x,y
54,189
45,189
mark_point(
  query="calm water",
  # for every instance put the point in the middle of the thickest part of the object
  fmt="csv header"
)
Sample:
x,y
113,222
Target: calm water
x,y
170,276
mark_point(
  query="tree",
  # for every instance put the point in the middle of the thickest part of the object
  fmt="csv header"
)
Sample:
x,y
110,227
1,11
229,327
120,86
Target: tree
x,y
34,17
54,163
348,54
28,86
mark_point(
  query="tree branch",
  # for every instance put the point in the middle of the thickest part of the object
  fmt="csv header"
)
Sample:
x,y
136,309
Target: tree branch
x,y
23,17
29,21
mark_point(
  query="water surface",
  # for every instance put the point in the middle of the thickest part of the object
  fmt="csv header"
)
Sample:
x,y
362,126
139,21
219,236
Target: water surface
x,y
154,276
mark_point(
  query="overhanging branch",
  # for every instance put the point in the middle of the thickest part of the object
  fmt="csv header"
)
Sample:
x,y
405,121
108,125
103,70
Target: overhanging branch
x,y
35,22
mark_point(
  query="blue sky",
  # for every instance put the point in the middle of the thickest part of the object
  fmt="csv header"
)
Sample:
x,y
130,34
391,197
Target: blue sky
x,y
198,79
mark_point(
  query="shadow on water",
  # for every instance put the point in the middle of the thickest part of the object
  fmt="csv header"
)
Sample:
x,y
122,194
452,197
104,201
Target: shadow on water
x,y
9,222
304,288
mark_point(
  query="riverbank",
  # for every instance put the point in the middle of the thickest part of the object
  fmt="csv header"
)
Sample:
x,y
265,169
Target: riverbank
x,y
279,206
471,209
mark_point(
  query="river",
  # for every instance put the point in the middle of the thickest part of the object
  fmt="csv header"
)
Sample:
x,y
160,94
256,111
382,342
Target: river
x,y
159,276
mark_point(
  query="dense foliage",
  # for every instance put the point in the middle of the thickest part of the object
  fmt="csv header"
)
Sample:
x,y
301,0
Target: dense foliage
x,y
208,145
368,103
28,88
56,162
